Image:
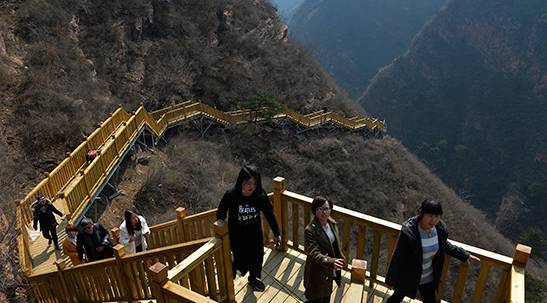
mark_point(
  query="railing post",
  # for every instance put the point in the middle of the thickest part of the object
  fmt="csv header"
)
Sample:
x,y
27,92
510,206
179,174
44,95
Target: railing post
x,y
119,253
280,210
516,282
181,233
115,235
221,232
521,255
358,269
158,277
65,294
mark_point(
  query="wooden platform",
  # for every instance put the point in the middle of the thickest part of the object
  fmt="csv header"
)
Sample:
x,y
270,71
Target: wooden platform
x,y
45,255
283,274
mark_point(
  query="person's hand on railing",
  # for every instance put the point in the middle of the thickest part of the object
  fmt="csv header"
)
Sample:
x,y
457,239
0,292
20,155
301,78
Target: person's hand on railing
x,y
473,258
339,264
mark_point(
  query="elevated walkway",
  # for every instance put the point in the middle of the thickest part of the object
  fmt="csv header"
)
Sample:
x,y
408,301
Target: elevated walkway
x,y
76,183
189,258
189,261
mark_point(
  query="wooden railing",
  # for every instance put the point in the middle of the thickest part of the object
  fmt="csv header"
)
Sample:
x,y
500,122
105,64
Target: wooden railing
x,y
373,239
75,181
121,278
205,276
196,259
184,264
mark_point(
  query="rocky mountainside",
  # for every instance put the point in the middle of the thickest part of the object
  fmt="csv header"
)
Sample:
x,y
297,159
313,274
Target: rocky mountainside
x,y
65,65
353,39
470,98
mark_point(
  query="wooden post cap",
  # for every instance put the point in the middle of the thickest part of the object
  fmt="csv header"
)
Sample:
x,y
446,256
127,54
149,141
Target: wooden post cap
x,y
60,264
119,251
158,272
115,232
358,269
521,255
181,212
279,183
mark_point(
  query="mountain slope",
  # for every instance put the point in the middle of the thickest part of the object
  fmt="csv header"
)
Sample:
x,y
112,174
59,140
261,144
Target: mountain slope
x,y
353,39
469,98
70,63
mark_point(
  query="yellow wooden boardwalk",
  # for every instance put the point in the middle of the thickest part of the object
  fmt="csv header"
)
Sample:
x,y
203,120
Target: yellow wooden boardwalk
x,y
283,274
185,262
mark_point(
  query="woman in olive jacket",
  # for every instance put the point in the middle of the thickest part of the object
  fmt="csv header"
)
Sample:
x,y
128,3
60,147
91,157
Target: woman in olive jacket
x,y
418,258
325,260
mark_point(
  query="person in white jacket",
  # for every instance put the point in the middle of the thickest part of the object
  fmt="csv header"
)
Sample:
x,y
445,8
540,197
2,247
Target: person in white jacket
x,y
133,231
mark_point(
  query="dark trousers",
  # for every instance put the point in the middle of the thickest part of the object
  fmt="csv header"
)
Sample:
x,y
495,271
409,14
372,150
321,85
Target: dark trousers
x,y
320,300
427,291
50,233
248,255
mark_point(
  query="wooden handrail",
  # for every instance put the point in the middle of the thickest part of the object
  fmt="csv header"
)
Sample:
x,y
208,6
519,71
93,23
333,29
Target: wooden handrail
x,y
510,283
73,183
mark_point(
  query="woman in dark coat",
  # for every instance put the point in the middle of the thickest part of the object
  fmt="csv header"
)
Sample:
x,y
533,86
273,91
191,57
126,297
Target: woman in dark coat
x,y
418,259
325,260
243,205
44,213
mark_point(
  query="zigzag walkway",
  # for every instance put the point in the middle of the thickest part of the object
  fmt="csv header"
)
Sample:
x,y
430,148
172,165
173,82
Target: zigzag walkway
x,y
75,183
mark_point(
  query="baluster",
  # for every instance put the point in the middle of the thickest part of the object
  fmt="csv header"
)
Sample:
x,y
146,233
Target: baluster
x,y
211,280
181,214
375,256
392,243
280,209
361,240
295,225
503,285
481,282
442,281
346,240
460,283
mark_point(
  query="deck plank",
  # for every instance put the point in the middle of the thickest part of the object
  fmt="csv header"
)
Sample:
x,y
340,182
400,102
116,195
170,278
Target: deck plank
x,y
45,255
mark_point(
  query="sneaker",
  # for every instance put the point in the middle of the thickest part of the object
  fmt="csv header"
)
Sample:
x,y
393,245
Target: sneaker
x,y
257,285
57,247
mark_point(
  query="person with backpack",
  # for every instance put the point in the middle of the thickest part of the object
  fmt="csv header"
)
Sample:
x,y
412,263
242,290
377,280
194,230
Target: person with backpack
x,y
133,232
418,259
44,213
243,205
94,241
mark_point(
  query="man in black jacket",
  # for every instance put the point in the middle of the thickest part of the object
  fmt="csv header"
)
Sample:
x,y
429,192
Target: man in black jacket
x,y
94,241
44,213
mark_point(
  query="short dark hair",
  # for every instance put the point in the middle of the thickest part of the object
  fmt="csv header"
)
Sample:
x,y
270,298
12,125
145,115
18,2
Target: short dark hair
x,y
85,222
318,202
247,172
430,207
